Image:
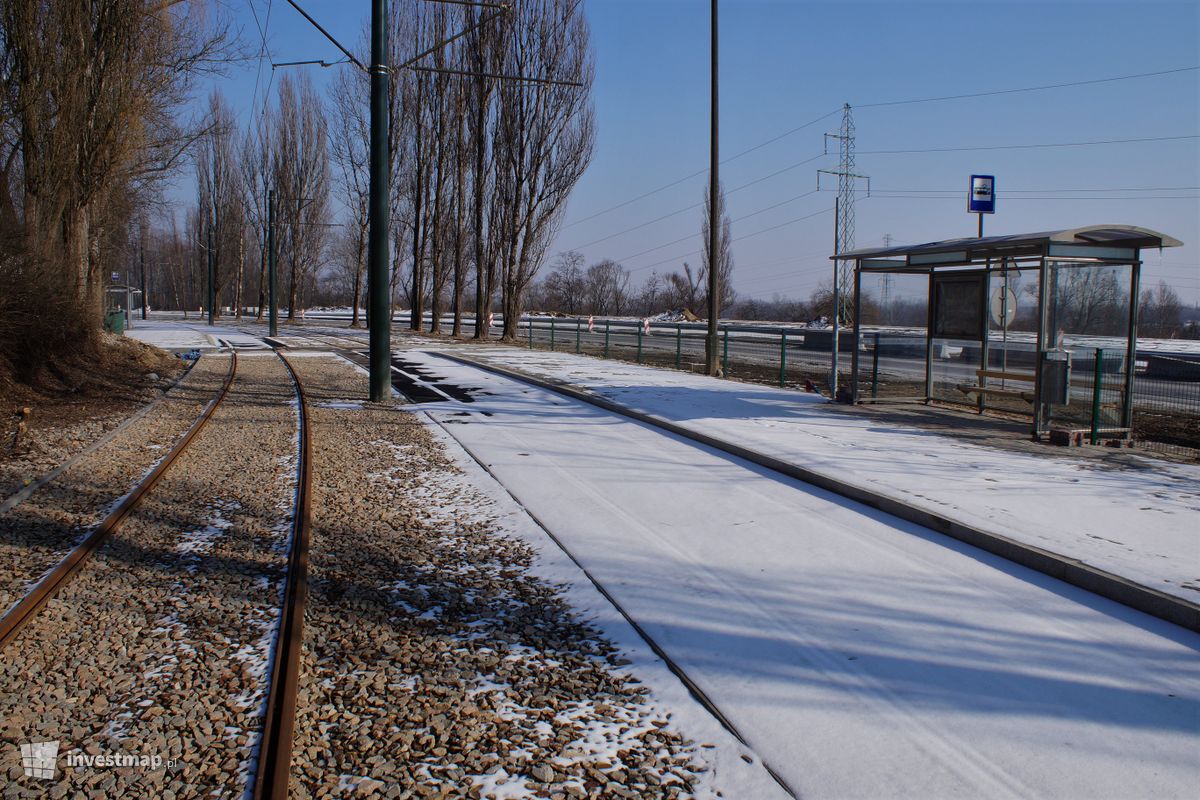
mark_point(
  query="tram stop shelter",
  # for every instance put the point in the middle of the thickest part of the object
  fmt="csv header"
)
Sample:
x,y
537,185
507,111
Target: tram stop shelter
x,y
1037,324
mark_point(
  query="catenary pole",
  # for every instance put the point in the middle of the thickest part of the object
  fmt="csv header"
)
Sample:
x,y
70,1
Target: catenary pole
x,y
142,260
212,300
714,224
272,258
378,289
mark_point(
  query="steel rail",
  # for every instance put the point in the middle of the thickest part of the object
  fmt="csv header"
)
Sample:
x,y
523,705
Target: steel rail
x,y
275,750
23,494
61,574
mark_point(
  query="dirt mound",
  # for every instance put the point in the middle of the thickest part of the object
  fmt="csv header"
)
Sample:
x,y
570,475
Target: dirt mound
x,y
113,376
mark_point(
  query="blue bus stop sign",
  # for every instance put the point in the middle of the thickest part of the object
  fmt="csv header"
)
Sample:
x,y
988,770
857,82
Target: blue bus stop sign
x,y
982,196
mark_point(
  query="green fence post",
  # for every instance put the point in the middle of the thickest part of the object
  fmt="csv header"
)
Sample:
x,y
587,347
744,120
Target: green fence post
x,y
640,330
725,356
783,360
1097,378
606,338
875,368
552,333
678,346
578,327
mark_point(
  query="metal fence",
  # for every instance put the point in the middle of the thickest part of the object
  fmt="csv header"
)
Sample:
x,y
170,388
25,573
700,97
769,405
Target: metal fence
x,y
1166,402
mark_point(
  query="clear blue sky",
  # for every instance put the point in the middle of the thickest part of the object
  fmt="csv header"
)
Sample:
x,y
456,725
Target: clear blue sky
x,y
785,63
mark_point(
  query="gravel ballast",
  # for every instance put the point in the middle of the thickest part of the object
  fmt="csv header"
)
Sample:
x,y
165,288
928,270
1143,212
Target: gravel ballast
x,y
38,532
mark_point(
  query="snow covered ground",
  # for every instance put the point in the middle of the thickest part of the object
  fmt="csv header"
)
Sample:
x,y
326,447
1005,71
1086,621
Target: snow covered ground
x,y
1142,524
860,655
187,335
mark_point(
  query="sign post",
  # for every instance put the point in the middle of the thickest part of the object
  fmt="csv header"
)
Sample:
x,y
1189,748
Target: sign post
x,y
981,198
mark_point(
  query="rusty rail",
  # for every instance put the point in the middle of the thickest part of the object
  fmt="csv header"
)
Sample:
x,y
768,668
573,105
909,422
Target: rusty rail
x,y
275,751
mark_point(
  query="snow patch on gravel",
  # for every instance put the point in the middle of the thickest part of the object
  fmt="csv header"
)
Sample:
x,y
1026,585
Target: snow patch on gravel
x,y
195,543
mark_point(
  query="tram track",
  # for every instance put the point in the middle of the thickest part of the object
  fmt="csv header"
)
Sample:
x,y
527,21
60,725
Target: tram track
x,y
693,688
267,773
24,610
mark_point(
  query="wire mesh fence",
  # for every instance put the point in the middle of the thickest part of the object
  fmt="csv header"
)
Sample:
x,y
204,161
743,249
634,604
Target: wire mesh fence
x,y
892,367
1166,405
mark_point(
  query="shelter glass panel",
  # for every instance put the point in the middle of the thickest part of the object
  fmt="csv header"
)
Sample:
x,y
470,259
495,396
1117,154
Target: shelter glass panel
x,y
1087,310
895,311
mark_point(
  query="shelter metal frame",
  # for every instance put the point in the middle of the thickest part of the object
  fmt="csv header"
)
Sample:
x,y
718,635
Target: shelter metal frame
x,y
979,259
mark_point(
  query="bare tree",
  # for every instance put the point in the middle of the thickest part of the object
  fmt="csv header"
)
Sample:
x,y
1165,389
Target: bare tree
x,y
564,287
90,92
686,289
1161,312
300,166
220,196
1088,299
349,145
543,135
606,286
255,165
724,252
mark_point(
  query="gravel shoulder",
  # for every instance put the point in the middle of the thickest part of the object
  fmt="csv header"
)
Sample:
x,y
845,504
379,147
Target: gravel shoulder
x,y
87,400
38,532
441,661
160,647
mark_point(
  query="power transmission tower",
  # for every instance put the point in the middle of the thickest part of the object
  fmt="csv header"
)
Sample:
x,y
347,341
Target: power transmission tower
x,y
844,227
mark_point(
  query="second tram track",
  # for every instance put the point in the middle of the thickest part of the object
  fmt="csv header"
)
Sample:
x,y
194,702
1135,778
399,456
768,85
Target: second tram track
x,y
271,776
24,610
275,749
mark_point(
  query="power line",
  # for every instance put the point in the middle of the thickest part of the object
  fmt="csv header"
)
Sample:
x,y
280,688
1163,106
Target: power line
x,y
787,133
739,219
1008,197
263,51
698,205
1029,146
1027,88
698,173
1051,191
740,239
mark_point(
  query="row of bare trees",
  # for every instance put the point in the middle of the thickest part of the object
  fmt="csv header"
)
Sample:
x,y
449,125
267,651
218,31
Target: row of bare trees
x,y
88,128
604,287
490,131
285,152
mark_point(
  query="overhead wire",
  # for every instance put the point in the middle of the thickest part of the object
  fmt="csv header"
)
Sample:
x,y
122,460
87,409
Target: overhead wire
x,y
694,206
1027,88
739,219
881,104
704,171
263,52
1026,146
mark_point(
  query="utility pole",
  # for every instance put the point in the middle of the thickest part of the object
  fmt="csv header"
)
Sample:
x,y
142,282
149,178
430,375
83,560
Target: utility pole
x,y
837,304
714,224
272,295
379,292
142,260
211,267
885,286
